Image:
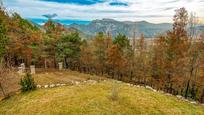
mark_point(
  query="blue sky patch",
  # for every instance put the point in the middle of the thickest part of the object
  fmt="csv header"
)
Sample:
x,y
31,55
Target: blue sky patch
x,y
80,2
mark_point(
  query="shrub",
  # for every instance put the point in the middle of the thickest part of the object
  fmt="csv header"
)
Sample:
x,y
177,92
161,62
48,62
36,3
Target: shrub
x,y
9,80
27,83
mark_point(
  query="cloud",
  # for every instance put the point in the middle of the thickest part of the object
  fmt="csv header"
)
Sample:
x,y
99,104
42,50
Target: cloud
x,y
136,10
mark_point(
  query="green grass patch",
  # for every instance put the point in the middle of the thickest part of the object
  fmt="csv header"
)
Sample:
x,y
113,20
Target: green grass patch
x,y
95,99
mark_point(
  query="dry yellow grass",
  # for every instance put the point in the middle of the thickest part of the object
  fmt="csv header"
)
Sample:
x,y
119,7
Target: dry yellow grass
x,y
65,76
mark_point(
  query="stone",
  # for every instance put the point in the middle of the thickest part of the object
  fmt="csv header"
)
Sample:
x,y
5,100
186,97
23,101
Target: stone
x,y
77,83
168,94
38,86
118,81
63,84
52,85
32,69
23,67
148,87
154,90
193,102
20,70
137,86
58,84
46,86
179,96
160,91
92,81
128,84
60,65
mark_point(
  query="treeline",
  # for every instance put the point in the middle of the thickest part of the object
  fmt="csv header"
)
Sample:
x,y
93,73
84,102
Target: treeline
x,y
173,62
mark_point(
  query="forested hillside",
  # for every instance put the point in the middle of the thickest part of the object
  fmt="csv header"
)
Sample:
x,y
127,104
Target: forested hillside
x,y
172,62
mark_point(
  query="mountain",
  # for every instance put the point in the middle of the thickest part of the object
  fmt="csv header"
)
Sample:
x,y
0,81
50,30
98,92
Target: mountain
x,y
123,27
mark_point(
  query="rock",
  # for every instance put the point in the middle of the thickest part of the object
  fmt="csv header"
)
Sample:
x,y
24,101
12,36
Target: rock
x,y
32,69
168,94
60,65
137,86
148,87
20,70
128,84
72,82
185,99
58,84
46,86
154,90
179,96
77,83
161,91
118,81
92,81
52,85
193,102
63,84
38,86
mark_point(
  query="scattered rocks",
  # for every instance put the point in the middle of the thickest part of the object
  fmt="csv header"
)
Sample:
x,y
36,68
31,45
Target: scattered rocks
x,y
128,84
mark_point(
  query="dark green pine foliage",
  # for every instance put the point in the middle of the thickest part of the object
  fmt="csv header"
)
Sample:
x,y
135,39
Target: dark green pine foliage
x,y
27,83
68,49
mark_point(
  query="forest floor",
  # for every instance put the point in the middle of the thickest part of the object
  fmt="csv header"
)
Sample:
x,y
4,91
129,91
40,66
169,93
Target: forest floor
x,y
93,98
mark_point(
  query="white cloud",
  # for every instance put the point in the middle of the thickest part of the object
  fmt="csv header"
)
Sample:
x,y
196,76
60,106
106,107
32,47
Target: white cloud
x,y
150,10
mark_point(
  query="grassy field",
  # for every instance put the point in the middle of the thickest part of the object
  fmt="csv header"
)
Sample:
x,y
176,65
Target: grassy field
x,y
94,99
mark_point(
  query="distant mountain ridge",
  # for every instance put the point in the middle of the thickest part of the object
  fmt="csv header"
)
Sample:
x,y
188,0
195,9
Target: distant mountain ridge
x,y
124,27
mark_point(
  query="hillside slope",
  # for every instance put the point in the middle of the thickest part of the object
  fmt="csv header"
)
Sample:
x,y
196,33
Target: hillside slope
x,y
89,98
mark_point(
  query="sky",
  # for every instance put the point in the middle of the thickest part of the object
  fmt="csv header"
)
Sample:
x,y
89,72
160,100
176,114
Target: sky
x,y
84,11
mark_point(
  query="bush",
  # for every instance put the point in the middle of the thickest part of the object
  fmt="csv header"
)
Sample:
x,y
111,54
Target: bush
x,y
27,83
